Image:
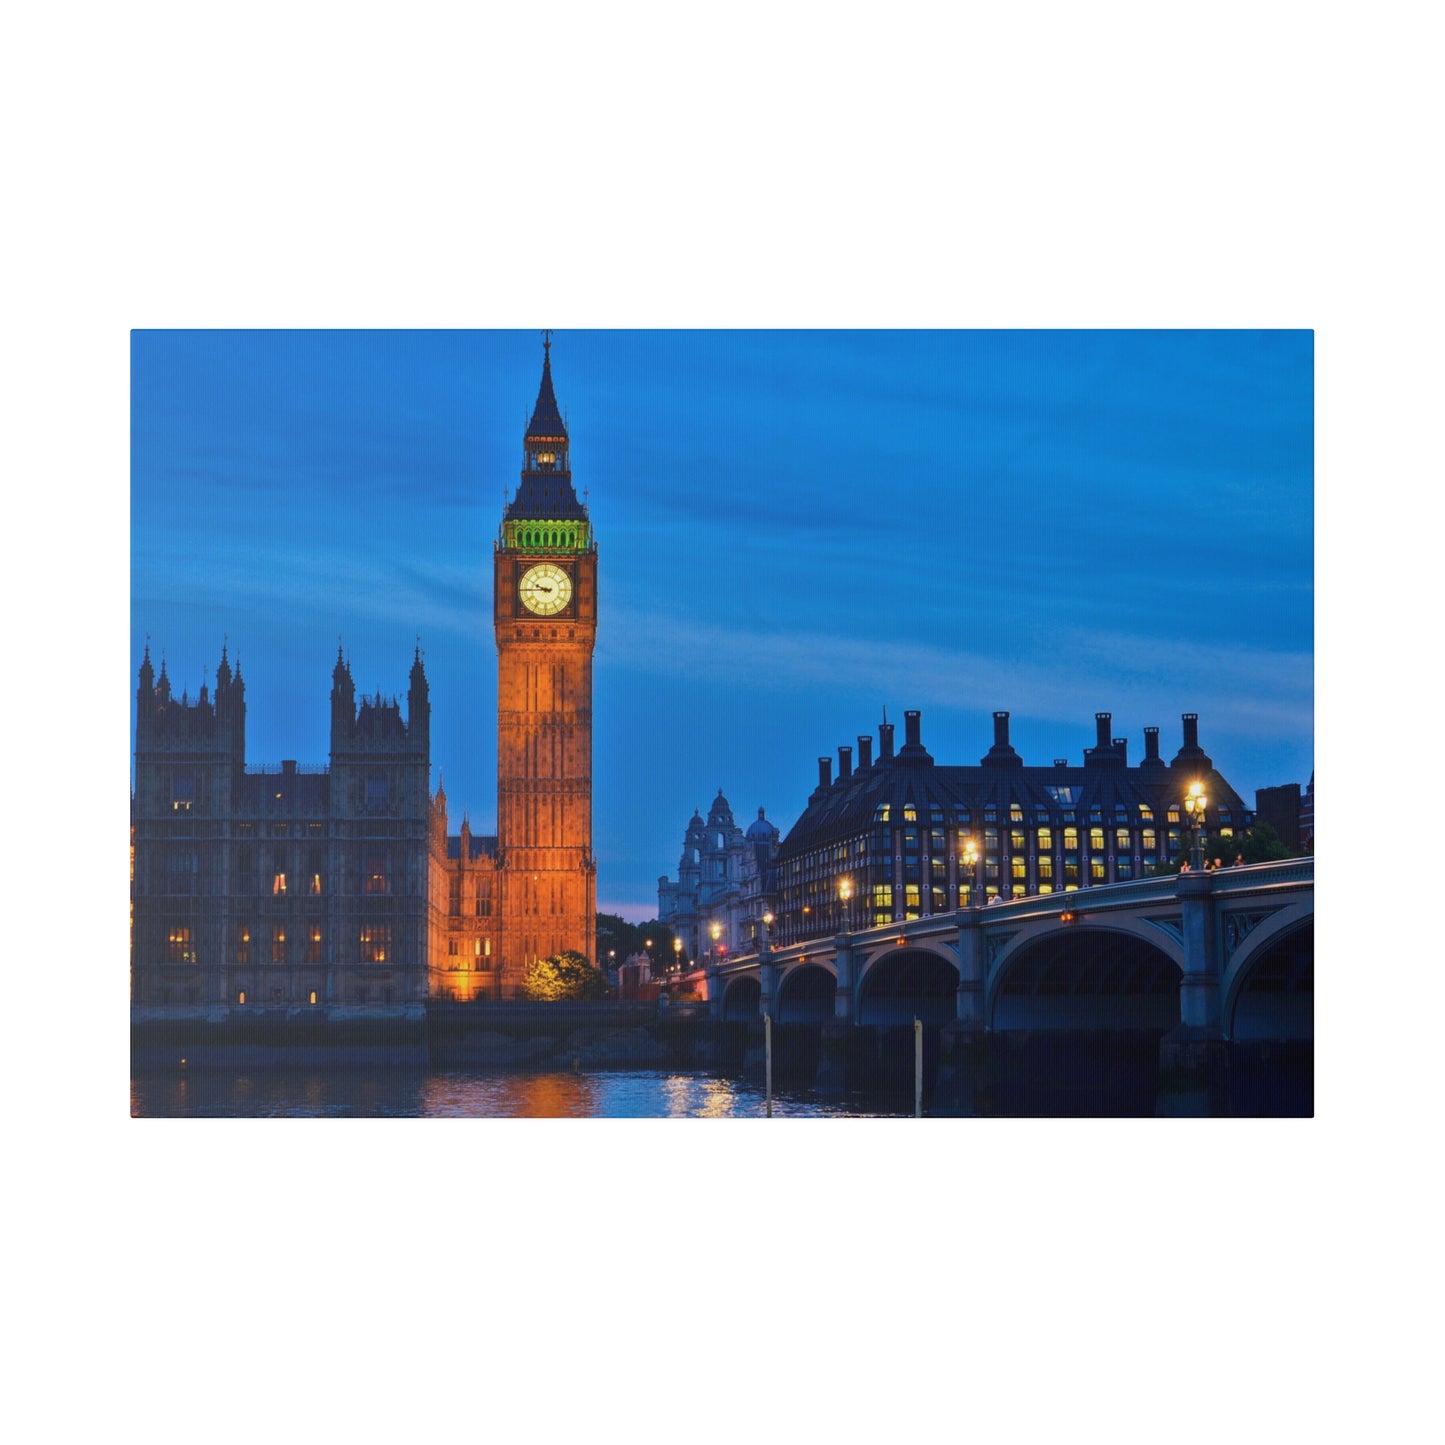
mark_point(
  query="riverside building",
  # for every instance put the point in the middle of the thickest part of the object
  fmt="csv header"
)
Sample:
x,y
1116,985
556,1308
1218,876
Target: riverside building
x,y
900,837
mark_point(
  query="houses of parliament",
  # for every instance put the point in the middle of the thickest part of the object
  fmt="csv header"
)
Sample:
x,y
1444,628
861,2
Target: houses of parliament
x,y
340,883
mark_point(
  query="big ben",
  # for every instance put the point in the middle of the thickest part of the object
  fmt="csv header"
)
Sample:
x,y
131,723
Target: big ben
x,y
544,606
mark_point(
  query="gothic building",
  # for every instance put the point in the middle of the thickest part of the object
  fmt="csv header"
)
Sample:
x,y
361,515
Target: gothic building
x,y
725,877
286,885
901,837
340,883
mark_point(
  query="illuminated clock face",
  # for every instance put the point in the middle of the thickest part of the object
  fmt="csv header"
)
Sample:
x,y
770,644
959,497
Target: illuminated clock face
x,y
545,589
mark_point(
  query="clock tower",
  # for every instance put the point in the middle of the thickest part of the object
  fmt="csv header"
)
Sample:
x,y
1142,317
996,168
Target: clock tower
x,y
544,611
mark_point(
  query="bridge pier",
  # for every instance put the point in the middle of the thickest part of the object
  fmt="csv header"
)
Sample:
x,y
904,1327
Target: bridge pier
x,y
845,1002
970,968
1193,1058
768,982
1199,992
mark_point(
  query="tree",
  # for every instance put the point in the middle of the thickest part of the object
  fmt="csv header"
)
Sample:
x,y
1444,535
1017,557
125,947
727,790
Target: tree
x,y
1260,844
564,976
617,935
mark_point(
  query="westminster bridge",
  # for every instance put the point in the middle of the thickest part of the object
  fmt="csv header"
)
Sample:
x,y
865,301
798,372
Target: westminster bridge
x,y
1182,974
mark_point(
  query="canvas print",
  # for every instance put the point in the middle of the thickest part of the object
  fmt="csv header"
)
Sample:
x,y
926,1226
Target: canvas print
x,y
766,724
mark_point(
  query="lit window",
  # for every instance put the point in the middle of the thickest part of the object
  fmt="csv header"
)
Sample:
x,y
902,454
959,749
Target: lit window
x,y
240,995
1146,813
179,947
313,996
1017,841
1020,868
278,883
1015,812
1096,869
315,883
1071,840
1096,840
375,943
1122,840
243,944
1046,868
313,944
1150,842
278,944
375,872
1046,839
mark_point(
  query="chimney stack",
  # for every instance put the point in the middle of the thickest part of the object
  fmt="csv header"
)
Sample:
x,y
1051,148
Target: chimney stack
x,y
865,751
1151,745
825,772
845,763
1000,730
1102,720
885,741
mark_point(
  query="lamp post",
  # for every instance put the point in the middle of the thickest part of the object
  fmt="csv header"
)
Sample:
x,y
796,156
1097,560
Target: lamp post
x,y
845,896
1195,802
971,862
676,955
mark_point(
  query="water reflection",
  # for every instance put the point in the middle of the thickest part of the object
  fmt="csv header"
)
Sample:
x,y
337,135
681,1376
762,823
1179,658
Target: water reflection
x,y
380,1092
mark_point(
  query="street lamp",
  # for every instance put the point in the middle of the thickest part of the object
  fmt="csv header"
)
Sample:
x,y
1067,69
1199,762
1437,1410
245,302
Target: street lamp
x,y
677,955
1195,802
971,861
845,895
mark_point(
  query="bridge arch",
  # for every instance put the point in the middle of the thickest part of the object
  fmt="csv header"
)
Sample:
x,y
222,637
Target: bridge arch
x,y
742,1000
899,985
1269,981
1086,976
806,995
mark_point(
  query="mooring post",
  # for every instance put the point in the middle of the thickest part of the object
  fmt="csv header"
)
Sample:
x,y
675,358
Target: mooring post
x,y
917,1068
768,1059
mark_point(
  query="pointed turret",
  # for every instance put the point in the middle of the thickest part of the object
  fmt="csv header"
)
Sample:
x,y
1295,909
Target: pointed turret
x,y
545,492
547,424
145,697
418,704
343,705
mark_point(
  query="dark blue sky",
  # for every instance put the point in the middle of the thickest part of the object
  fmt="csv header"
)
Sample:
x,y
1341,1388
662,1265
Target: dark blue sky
x,y
796,530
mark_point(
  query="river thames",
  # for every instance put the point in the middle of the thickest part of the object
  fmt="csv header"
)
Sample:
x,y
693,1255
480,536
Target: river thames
x,y
401,1092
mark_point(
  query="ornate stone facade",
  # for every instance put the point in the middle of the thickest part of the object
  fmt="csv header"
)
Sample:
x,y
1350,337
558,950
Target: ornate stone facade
x,y
286,884
724,877
340,883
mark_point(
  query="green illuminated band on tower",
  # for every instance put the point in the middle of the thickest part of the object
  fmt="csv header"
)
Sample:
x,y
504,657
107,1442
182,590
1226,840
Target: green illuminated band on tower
x,y
534,534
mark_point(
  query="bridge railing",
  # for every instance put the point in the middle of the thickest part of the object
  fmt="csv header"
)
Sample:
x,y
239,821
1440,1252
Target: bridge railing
x,y
1245,878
